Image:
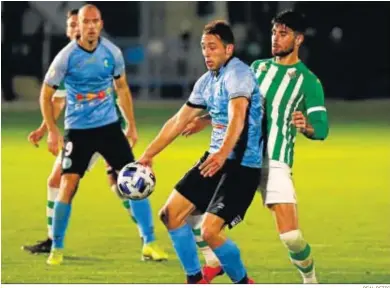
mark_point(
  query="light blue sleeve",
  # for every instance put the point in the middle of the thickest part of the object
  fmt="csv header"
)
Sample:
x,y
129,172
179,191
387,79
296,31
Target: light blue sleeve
x,y
119,68
57,69
196,99
240,83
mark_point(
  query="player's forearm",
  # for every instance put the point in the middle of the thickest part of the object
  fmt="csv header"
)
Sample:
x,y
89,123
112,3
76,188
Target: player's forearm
x,y
47,107
233,132
58,106
126,104
318,128
170,131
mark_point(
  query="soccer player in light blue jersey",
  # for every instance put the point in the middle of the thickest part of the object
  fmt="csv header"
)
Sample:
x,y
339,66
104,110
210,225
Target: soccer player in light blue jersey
x,y
140,211
89,66
223,183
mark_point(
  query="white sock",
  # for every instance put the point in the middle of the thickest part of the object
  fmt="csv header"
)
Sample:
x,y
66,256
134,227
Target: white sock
x,y
52,194
195,221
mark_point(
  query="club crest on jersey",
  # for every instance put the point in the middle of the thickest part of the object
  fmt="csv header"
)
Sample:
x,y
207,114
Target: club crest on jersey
x,y
263,67
292,73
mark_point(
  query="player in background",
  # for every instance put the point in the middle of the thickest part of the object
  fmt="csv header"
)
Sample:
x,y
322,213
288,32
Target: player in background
x,y
89,100
229,93
294,101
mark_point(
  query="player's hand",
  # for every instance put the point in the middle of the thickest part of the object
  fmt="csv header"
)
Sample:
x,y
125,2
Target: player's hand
x,y
212,164
132,135
299,121
35,136
145,160
195,126
54,141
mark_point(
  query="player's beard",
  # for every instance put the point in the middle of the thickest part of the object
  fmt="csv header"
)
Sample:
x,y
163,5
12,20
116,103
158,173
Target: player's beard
x,y
285,53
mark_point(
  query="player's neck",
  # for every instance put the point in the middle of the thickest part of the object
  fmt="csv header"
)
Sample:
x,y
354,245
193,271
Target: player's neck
x,y
88,45
290,59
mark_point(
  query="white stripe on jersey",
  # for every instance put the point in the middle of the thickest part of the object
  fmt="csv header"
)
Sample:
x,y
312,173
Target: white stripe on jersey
x,y
287,112
275,113
314,109
266,83
289,153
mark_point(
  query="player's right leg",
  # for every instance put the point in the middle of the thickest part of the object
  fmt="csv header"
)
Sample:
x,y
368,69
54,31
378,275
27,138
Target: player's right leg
x,y
279,195
53,186
79,148
212,268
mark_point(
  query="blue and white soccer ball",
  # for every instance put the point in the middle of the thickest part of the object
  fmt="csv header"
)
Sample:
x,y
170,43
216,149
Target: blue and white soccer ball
x,y
135,181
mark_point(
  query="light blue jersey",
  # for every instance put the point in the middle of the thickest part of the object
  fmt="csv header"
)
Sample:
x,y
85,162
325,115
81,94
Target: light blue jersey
x,y
214,90
88,78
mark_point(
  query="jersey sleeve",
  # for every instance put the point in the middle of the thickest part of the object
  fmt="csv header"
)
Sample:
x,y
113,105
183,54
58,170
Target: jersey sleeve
x,y
196,99
119,68
60,92
240,83
57,70
315,109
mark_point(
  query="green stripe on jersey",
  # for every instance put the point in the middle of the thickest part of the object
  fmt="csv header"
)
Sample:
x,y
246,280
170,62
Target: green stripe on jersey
x,y
283,89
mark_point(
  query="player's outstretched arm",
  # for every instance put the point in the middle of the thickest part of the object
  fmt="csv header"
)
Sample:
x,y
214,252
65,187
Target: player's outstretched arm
x,y
171,129
126,104
237,112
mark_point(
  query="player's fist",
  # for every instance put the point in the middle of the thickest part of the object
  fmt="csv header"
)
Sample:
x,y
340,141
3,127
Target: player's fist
x,y
54,141
35,136
132,135
195,126
299,121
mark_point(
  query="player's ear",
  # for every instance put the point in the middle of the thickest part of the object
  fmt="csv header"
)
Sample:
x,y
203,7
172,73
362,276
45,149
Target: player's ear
x,y
230,49
299,39
102,24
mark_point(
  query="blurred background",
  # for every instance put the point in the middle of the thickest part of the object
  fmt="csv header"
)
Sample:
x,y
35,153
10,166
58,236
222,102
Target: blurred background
x,y
347,44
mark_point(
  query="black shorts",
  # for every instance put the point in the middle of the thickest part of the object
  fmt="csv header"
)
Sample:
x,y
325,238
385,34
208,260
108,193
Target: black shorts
x,y
227,194
80,144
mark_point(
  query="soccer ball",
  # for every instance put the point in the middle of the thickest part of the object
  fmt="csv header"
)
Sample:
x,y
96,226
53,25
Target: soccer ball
x,y
135,181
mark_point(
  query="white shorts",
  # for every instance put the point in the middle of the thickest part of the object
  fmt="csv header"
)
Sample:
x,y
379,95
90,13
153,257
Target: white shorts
x,y
91,163
276,184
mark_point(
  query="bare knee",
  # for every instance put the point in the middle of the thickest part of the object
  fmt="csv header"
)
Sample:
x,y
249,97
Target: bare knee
x,y
54,179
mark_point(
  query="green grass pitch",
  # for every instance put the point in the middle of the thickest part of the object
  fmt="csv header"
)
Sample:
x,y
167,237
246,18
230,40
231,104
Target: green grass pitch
x,y
343,191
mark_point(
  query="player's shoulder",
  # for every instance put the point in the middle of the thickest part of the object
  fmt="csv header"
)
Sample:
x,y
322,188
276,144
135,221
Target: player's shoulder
x,y
203,80
115,50
260,62
307,73
238,67
67,51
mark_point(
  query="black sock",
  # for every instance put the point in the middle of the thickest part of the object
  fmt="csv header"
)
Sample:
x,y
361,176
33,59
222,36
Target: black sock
x,y
243,280
193,279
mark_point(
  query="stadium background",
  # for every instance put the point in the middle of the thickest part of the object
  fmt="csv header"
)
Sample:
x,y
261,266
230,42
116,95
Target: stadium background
x,y
343,183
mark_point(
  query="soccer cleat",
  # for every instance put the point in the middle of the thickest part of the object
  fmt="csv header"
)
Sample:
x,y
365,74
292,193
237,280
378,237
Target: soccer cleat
x,y
201,281
310,280
56,257
250,281
41,247
152,252
209,273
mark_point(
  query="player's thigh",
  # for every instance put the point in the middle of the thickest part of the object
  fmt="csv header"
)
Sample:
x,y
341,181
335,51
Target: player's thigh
x,y
197,189
277,184
235,194
79,146
115,147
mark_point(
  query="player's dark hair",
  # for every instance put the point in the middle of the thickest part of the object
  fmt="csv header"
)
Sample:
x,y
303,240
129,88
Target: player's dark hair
x,y
221,29
292,19
72,12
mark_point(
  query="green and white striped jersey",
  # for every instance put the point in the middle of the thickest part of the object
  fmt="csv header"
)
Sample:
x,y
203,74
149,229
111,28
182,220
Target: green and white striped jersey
x,y
287,88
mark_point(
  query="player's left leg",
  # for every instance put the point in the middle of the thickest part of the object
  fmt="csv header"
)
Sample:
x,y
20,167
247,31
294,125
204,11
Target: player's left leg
x,y
212,268
118,153
228,209
279,196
